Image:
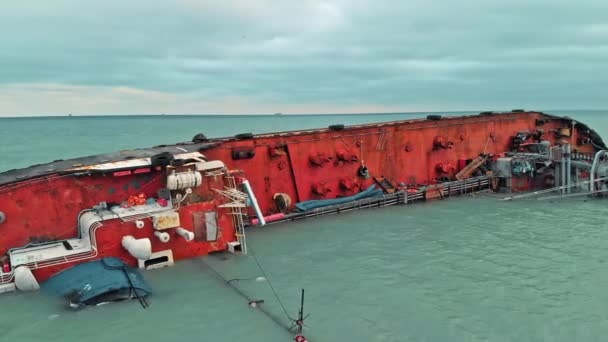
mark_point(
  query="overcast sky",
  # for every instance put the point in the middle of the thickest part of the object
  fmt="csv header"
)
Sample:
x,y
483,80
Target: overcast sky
x,y
305,56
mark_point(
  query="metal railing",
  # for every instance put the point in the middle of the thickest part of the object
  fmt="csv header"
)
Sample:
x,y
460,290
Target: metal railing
x,y
442,190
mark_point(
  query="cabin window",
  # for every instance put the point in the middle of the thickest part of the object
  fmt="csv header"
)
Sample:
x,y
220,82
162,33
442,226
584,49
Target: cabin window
x,y
211,223
205,225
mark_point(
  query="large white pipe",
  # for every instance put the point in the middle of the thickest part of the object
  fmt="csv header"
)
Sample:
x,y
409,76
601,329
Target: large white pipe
x,y
162,236
254,201
186,234
25,280
138,248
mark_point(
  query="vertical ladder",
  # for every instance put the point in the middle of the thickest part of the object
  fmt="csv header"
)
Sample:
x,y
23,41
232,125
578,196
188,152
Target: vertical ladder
x,y
237,205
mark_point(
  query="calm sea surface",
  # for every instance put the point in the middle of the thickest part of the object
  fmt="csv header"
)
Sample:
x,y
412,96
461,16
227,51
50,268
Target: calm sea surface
x,y
466,269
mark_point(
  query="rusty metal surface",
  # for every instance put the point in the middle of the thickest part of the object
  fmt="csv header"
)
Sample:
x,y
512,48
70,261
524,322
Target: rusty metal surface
x,y
404,152
62,166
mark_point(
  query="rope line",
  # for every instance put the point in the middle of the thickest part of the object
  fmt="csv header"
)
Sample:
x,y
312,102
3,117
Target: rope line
x,y
244,295
270,284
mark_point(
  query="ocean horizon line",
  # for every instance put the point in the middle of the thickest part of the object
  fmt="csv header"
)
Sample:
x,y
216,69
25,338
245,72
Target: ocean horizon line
x,y
72,115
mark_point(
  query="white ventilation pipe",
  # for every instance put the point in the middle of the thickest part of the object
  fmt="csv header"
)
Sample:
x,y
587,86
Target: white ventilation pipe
x,y
25,280
138,248
139,224
162,236
186,234
254,201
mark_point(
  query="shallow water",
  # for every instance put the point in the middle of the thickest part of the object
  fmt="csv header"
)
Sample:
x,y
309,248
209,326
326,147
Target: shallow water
x,y
465,269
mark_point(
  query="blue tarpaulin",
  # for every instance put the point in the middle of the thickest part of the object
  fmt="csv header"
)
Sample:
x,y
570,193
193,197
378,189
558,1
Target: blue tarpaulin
x,y
98,281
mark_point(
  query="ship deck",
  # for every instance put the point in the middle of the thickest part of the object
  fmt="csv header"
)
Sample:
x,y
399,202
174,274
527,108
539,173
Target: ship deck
x,y
66,166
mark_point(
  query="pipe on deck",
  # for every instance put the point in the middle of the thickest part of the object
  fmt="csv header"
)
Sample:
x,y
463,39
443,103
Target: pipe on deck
x,y
596,161
254,202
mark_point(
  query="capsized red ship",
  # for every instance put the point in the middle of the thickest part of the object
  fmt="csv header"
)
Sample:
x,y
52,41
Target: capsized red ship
x,y
151,207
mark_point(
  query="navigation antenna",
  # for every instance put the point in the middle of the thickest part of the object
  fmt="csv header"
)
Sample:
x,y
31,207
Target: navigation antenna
x,y
299,323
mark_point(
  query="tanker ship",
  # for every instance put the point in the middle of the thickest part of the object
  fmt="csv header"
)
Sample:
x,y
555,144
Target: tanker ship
x,y
148,208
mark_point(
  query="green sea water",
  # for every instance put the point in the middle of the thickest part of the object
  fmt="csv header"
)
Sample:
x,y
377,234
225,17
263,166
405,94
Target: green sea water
x,y
464,269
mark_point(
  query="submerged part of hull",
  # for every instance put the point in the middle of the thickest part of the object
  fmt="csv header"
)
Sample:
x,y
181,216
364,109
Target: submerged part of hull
x,y
152,206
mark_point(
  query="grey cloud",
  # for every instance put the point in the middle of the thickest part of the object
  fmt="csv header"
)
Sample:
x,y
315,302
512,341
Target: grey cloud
x,y
450,54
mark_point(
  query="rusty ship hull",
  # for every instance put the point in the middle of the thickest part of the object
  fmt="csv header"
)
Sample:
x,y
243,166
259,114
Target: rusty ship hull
x,y
152,207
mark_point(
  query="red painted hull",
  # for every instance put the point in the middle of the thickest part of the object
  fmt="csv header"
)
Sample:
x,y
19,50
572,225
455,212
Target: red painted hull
x,y
304,165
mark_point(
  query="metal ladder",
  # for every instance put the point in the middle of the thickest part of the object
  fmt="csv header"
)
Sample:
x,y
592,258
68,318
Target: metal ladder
x,y
468,170
238,201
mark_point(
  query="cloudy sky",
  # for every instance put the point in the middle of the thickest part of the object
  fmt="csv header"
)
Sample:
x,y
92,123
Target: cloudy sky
x,y
305,56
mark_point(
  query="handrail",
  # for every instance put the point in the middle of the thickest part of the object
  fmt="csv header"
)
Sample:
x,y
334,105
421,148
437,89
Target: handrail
x,y
540,192
596,161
